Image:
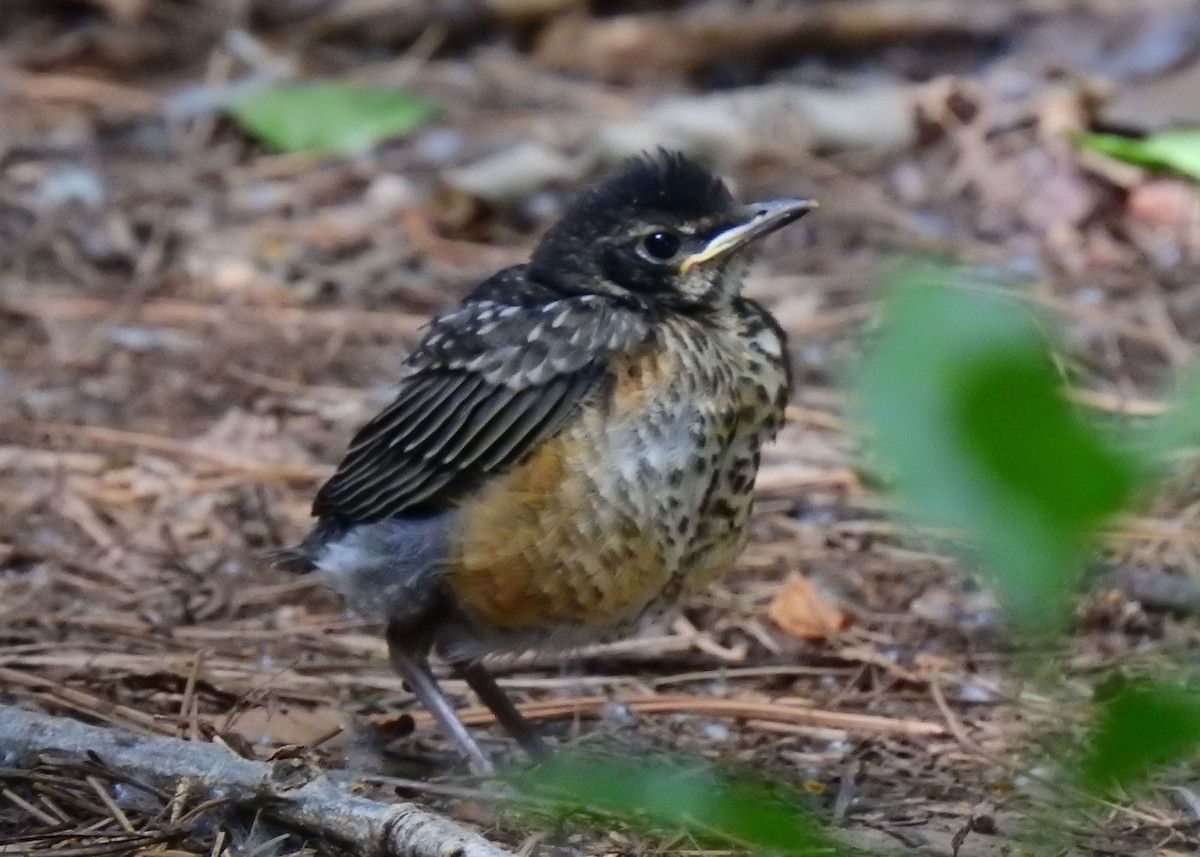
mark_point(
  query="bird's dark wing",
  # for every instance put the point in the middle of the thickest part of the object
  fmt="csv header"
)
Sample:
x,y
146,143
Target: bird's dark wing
x,y
492,378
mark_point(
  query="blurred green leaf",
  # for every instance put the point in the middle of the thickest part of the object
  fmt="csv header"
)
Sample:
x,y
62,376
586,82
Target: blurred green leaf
x,y
1140,727
328,117
1177,150
1013,418
964,405
711,806
1162,439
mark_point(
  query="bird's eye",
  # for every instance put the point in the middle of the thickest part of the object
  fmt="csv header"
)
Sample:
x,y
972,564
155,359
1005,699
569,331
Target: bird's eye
x,y
661,245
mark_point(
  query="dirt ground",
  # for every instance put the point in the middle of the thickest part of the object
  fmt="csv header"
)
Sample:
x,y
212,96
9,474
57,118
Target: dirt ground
x,y
191,327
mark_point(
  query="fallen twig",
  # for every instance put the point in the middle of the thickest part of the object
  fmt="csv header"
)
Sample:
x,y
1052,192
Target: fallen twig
x,y
193,313
650,45
303,474
778,712
287,790
85,90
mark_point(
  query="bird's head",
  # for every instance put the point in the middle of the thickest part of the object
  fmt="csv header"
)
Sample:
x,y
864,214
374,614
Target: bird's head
x,y
662,229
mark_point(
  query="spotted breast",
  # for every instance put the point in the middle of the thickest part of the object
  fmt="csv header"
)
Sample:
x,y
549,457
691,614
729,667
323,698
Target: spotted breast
x,y
645,495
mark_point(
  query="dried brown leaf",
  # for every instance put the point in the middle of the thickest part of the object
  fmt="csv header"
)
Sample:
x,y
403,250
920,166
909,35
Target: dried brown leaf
x,y
801,610
289,724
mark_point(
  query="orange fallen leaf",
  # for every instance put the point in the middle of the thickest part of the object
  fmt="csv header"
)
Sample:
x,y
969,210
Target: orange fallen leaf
x,y
802,611
1164,202
291,724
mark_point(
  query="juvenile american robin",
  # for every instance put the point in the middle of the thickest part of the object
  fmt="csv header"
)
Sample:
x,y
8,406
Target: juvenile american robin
x,y
575,444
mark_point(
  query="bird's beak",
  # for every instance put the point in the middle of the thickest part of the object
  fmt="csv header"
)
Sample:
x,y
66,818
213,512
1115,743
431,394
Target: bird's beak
x,y
761,218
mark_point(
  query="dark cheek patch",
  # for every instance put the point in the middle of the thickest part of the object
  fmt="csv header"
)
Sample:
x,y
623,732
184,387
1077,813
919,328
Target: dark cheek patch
x,y
623,266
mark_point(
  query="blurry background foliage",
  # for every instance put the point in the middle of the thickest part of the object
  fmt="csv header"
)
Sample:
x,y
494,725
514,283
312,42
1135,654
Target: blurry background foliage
x,y
326,117
717,809
1176,150
962,400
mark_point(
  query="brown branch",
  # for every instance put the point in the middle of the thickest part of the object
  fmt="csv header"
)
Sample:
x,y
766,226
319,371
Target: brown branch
x,y
287,790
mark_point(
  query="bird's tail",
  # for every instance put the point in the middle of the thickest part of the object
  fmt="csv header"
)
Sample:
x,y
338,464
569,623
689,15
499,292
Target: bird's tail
x,y
295,559
299,559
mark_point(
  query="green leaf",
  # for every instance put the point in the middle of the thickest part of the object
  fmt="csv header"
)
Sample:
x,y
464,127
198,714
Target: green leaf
x,y
1164,437
964,405
711,806
1139,728
1177,150
326,117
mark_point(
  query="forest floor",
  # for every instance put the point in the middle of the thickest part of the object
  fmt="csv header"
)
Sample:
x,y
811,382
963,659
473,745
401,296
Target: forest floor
x,y
191,328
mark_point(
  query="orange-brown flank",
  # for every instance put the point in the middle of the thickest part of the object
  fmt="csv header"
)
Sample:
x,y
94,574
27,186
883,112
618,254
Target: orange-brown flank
x,y
540,545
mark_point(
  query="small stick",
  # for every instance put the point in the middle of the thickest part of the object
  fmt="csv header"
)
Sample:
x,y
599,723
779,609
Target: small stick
x,y
591,706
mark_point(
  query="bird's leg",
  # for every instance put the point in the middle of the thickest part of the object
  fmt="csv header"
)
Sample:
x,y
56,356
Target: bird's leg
x,y
497,700
414,669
